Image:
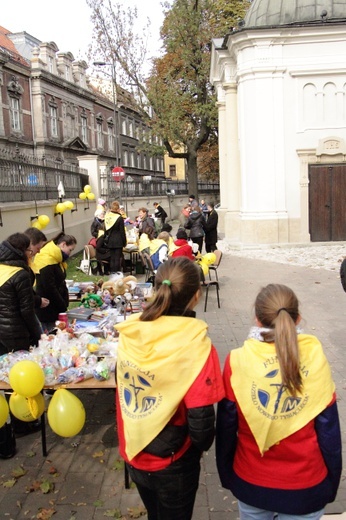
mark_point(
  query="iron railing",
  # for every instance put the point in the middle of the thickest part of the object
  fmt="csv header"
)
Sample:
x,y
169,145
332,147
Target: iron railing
x,y
21,182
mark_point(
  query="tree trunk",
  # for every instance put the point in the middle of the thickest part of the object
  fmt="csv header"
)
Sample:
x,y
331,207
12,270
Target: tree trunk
x,y
192,172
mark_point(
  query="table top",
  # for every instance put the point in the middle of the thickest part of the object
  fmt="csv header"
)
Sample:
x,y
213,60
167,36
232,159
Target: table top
x,y
91,383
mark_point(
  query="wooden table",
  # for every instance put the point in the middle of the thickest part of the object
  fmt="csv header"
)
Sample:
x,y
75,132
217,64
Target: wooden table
x,y
88,384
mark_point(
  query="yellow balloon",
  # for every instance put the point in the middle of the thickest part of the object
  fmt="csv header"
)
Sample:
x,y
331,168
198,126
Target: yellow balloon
x,y
60,208
209,258
3,410
82,195
68,204
87,188
27,409
37,225
90,196
66,413
43,220
204,268
26,378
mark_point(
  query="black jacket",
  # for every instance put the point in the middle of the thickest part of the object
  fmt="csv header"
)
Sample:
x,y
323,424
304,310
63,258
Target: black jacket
x,y
19,327
115,236
210,228
195,224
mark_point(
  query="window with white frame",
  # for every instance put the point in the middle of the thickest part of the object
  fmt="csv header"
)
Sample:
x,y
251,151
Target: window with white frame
x,y
133,159
126,158
53,115
131,130
15,114
151,163
99,134
84,128
110,138
123,126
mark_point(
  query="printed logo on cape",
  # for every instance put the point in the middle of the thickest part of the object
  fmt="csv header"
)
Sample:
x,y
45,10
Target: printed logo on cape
x,y
137,396
276,405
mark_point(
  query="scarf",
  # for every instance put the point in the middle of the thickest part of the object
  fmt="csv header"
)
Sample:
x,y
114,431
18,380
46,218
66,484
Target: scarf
x,y
110,219
6,272
157,363
50,254
270,411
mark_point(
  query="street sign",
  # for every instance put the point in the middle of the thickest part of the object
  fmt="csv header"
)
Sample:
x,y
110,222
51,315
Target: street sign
x,y
118,173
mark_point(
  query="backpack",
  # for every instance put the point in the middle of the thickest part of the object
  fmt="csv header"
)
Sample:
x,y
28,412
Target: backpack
x,y
343,274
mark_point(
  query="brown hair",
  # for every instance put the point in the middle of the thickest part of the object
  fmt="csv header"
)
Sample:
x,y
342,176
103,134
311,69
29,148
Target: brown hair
x,y
69,239
164,235
35,235
177,280
115,206
145,210
277,308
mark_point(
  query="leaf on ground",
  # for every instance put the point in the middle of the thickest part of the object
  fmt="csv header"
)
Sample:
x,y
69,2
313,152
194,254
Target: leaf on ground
x,y
46,486
18,472
98,503
30,454
136,512
113,513
45,514
98,454
19,504
118,464
35,486
53,471
9,483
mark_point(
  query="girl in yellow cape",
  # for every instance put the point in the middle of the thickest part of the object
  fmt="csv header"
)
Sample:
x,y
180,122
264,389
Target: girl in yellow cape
x,y
278,444
168,379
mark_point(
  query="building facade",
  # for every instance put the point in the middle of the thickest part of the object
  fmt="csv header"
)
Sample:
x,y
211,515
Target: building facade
x,y
49,109
280,80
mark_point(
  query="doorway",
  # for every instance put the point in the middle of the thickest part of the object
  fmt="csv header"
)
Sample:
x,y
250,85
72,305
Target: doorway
x,y
327,202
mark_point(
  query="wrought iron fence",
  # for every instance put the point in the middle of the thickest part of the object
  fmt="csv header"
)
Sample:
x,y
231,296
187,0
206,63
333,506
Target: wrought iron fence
x,y
20,182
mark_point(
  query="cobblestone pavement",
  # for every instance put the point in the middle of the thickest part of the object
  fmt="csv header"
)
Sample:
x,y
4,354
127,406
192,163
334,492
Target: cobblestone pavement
x,y
82,478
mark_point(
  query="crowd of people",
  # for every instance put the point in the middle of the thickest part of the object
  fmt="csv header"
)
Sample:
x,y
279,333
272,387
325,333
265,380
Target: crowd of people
x,y
277,433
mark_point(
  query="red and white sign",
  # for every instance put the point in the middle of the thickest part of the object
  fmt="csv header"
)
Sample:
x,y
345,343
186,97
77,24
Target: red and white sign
x,y
118,173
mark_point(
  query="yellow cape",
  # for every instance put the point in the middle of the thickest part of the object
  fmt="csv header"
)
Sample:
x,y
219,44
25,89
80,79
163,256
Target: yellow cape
x,y
270,411
157,363
50,254
6,272
110,219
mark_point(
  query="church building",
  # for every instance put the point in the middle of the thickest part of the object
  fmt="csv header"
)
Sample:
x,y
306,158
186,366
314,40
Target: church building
x,y
281,94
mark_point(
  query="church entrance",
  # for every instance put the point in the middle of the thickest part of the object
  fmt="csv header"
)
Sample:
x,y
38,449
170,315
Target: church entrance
x,y
327,202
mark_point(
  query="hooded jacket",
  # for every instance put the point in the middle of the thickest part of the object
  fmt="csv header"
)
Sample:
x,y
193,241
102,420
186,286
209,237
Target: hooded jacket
x,y
50,282
19,327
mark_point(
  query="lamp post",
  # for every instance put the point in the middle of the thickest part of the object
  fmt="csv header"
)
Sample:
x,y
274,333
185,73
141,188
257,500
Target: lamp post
x,y
116,115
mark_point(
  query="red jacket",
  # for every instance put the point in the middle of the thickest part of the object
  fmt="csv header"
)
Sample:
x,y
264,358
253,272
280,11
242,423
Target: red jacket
x,y
184,249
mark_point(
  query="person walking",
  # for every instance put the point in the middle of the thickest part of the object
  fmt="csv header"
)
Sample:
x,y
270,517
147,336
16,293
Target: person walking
x,y
159,212
278,443
50,268
195,223
115,237
210,229
168,379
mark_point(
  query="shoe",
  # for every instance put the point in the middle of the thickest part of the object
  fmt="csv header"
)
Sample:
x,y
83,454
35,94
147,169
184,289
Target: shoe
x,y
26,428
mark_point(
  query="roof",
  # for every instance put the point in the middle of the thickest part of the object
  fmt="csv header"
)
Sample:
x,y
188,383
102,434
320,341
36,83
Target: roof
x,y
264,13
7,46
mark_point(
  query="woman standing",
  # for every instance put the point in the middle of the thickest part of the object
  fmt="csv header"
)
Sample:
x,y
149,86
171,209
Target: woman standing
x,y
195,224
19,327
168,378
115,237
278,444
50,268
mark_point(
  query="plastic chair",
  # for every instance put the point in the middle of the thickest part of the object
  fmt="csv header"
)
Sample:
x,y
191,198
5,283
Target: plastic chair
x,y
216,264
